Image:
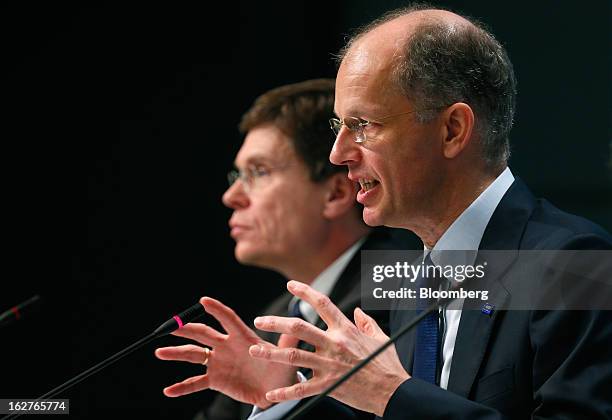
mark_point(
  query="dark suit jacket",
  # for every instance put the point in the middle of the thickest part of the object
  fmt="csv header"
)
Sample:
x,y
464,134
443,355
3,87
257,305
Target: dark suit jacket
x,y
520,364
346,294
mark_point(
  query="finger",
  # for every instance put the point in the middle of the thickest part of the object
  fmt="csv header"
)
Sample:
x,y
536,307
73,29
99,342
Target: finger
x,y
201,333
226,317
292,356
293,326
188,386
328,312
286,341
367,325
187,353
296,392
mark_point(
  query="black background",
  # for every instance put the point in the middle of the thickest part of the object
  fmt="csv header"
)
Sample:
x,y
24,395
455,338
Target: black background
x,y
119,126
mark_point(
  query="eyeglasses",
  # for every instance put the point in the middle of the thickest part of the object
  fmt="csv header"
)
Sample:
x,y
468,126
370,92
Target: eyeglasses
x,y
357,125
251,176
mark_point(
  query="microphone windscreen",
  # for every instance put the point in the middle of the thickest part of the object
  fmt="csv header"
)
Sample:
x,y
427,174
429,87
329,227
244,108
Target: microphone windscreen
x,y
177,321
192,313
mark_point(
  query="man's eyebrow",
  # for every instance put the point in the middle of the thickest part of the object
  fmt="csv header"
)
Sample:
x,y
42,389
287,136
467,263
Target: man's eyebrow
x,y
365,111
255,159
355,113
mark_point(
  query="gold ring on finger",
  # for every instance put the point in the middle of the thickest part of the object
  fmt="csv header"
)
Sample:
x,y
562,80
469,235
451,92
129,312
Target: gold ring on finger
x,y
206,355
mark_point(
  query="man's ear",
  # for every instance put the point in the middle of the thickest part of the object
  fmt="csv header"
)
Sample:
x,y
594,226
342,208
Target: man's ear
x,y
340,197
458,127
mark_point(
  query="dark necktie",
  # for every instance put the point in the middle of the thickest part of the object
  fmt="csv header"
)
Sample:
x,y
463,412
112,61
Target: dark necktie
x,y
427,336
294,310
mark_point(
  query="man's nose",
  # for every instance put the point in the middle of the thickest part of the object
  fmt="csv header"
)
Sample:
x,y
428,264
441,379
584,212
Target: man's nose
x,y
235,196
345,149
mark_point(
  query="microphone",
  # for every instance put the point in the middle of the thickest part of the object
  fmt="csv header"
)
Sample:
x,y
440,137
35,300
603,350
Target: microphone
x,y
309,405
176,322
16,312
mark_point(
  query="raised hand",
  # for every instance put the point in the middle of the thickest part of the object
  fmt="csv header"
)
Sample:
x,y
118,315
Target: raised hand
x,y
338,349
230,369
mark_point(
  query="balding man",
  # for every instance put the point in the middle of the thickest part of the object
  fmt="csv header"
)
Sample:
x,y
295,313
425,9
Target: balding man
x,y
425,102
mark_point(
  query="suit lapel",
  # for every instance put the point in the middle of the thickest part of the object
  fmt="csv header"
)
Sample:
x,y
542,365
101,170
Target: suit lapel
x,y
279,308
405,344
504,232
474,333
346,293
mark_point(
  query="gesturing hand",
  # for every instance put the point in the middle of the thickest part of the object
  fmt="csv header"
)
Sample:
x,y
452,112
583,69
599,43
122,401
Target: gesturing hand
x,y
338,349
230,369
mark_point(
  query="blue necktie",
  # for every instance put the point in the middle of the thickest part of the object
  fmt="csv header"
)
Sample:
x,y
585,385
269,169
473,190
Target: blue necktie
x,y
294,310
427,337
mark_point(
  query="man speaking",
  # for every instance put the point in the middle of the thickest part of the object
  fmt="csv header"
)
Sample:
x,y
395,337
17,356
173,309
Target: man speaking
x,y
425,101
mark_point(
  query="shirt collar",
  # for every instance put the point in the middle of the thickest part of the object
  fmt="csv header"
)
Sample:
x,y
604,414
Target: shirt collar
x,y
466,232
324,283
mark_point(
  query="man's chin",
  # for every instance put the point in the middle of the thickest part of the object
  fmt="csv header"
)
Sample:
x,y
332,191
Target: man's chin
x,y
371,217
244,257
249,255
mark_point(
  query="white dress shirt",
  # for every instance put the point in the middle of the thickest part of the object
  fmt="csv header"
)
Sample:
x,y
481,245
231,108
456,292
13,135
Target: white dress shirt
x,y
324,283
465,234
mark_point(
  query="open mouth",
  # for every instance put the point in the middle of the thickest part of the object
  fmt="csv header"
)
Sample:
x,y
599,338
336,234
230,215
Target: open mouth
x,y
367,184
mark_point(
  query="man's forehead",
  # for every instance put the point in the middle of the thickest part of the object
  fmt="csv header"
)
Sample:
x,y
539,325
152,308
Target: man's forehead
x,y
363,86
366,71
264,144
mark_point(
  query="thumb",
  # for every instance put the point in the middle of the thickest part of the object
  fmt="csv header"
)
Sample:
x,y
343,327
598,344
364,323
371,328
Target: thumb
x,y
367,325
287,341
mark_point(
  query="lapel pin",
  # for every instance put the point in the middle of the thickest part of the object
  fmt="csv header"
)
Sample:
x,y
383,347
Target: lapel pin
x,y
487,309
